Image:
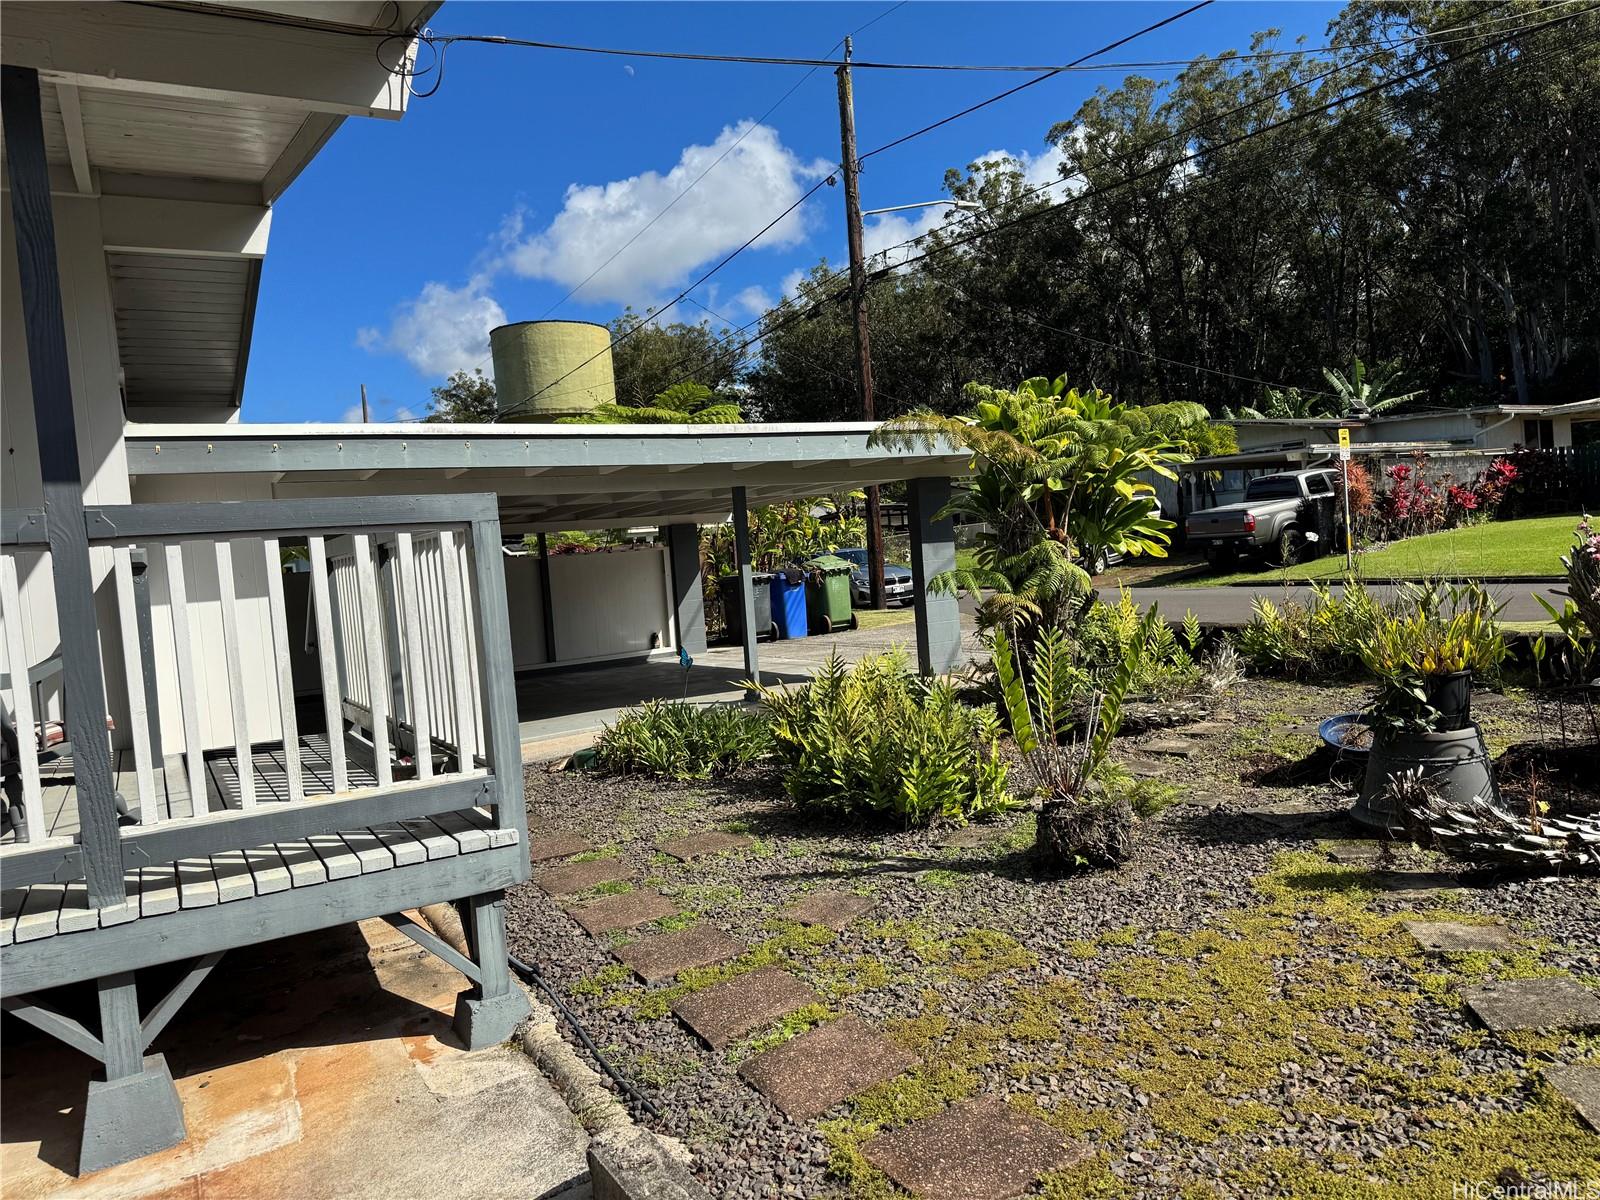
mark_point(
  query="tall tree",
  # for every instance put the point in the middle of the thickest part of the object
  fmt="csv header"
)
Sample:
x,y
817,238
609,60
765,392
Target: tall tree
x,y
652,357
463,399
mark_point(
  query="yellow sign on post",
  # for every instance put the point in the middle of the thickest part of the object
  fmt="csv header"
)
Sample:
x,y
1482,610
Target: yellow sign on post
x,y
1344,460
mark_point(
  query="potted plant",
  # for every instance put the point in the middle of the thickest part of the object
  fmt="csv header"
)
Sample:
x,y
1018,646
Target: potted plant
x,y
1425,656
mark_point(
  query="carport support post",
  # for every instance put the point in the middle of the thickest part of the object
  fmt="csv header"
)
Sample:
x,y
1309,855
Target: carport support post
x,y
547,603
688,594
747,592
933,549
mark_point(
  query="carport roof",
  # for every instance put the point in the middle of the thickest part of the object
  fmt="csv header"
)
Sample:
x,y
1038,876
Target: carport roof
x,y
547,476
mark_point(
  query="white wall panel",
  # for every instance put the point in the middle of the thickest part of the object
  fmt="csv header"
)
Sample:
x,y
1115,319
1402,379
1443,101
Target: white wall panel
x,y
610,604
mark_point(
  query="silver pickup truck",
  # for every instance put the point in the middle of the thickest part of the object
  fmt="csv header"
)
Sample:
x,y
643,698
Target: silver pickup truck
x,y
1283,517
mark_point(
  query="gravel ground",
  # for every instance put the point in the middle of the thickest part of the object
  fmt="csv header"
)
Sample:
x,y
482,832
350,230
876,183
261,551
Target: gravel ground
x,y
1214,1019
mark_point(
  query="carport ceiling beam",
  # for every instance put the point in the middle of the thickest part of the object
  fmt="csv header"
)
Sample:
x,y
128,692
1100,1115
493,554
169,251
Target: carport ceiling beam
x,y
77,144
211,56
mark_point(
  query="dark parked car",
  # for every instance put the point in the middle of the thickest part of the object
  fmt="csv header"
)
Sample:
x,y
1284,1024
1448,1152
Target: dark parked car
x,y
897,585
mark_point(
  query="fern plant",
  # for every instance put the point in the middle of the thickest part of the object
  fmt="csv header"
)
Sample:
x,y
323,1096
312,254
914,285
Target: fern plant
x,y
874,740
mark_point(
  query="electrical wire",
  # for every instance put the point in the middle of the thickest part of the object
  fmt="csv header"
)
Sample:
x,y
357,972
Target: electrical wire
x,y
995,99
1186,132
533,974
750,129
768,326
829,179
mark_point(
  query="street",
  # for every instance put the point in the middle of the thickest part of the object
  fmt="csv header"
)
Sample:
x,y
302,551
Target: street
x,y
1232,605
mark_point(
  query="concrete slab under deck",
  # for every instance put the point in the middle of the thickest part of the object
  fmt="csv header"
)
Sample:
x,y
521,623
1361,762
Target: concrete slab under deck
x,y
316,1066
561,709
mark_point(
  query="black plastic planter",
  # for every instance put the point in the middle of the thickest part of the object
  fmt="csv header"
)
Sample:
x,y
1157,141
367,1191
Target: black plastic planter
x,y
1455,763
1451,695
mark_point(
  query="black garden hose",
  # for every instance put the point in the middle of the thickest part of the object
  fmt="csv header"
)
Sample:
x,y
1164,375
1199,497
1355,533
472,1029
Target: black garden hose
x,y
532,974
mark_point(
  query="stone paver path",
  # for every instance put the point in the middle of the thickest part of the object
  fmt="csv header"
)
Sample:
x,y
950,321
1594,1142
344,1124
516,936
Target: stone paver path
x,y
832,909
1171,748
1581,1087
809,1074
622,912
1450,937
580,876
1353,853
723,1014
713,842
1144,768
1534,1004
557,843
976,1150
664,955
968,837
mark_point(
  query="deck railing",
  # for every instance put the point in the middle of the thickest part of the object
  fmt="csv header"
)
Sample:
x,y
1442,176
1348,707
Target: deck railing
x,y
405,591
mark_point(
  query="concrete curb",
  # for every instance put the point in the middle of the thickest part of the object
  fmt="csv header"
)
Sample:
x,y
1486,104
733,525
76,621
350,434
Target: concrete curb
x,y
1334,579
626,1161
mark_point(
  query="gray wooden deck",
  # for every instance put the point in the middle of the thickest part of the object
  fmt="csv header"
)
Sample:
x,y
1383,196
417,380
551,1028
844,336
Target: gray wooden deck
x,y
49,909
172,782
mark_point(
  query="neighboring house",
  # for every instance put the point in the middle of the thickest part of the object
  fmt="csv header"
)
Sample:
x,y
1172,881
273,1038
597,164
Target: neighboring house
x,y
1470,435
291,749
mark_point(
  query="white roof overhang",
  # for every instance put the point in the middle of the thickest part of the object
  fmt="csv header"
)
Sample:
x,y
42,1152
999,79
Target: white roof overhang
x,y
548,477
187,121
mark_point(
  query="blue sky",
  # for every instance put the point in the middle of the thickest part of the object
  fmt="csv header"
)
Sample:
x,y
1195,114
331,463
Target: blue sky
x,y
399,247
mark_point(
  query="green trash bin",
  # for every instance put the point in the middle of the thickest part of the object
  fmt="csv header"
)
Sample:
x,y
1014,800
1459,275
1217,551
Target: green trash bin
x,y
828,594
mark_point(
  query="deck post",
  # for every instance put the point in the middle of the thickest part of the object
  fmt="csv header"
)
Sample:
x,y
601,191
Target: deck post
x,y
933,549
62,476
747,594
135,1109
490,1011
688,591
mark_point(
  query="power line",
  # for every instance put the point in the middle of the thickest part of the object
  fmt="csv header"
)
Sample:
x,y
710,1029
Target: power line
x,y
828,179
758,121
769,327
1158,168
1051,74
1187,131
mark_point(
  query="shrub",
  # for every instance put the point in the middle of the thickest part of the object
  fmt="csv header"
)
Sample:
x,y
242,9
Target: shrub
x,y
1579,616
1415,501
872,739
683,741
1300,641
1108,633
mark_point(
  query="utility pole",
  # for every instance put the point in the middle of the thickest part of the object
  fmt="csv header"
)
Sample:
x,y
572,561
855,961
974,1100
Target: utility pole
x,y
364,417
858,306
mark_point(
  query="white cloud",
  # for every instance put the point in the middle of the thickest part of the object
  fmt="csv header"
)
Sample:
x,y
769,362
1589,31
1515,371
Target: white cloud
x,y
792,281
751,301
1037,169
443,330
883,236
380,410
759,178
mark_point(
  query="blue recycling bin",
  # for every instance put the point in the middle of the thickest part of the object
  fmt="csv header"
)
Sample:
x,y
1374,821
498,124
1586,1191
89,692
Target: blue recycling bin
x,y
789,603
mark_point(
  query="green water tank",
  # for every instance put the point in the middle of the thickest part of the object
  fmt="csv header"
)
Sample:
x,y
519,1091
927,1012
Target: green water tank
x,y
549,369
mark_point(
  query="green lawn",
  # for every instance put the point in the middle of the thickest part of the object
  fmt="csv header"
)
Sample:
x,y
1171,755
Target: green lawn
x,y
872,619
1492,551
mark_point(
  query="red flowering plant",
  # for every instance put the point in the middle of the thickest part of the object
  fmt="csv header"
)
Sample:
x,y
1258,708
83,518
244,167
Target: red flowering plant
x,y
1413,503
